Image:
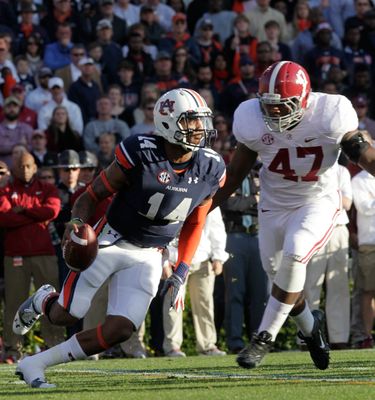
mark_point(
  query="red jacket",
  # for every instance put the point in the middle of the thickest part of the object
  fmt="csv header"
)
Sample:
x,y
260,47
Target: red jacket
x,y
27,232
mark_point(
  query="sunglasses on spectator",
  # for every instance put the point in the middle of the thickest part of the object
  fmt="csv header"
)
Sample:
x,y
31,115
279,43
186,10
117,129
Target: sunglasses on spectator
x,y
47,177
78,54
70,169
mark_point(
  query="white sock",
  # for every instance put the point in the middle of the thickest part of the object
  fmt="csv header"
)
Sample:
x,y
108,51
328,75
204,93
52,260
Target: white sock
x,y
305,321
274,316
69,350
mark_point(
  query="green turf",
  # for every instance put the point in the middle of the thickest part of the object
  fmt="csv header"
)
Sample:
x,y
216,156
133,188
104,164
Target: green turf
x,y
286,375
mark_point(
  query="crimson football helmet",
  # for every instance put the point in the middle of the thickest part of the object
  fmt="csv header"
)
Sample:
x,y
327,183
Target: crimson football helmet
x,y
284,88
181,116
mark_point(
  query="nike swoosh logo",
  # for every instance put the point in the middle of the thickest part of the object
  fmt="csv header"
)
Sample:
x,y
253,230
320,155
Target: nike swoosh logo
x,y
307,140
264,211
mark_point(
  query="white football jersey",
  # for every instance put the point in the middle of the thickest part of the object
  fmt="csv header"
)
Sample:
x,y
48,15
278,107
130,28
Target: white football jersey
x,y
299,164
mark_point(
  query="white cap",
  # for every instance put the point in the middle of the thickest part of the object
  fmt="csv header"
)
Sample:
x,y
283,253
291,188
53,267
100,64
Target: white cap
x,y
55,81
86,60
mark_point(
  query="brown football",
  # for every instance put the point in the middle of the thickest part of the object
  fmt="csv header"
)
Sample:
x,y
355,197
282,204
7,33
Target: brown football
x,y
80,252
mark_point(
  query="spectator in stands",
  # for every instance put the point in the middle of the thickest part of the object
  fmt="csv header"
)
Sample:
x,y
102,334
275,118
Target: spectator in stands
x,y
304,41
363,194
137,55
148,90
260,15
129,85
17,150
42,156
368,33
361,85
26,78
300,21
4,174
323,55
128,12
360,104
264,58
61,12
119,110
71,72
147,126
222,20
68,167
56,86
34,50
195,10
119,25
179,36
220,72
164,77
353,52
60,135
57,54
239,89
27,27
107,145
337,12
207,263
89,166
280,50
26,205
103,123
242,41
246,288
40,96
26,115
205,81
224,139
87,22
85,91
164,13
6,63
112,54
12,131
154,31
182,65
329,267
357,20
209,47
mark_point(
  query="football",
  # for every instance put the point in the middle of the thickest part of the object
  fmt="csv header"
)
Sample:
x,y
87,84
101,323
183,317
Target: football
x,y
80,252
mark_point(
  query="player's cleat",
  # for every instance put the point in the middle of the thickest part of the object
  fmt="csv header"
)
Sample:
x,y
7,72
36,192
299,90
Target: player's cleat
x,y
252,355
30,310
317,344
32,374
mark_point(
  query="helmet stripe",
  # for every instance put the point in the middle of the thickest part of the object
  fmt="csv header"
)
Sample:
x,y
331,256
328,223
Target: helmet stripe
x,y
274,74
197,98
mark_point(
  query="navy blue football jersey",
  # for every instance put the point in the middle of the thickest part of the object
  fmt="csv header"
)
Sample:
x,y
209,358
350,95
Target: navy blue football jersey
x,y
152,210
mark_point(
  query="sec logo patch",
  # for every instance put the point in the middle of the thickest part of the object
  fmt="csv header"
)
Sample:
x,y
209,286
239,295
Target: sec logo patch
x,y
267,138
164,177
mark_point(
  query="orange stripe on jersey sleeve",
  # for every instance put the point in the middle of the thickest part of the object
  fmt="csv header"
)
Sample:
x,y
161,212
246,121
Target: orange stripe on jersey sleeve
x,y
121,158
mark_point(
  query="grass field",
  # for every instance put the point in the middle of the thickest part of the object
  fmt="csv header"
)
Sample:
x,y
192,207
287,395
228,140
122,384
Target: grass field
x,y
286,375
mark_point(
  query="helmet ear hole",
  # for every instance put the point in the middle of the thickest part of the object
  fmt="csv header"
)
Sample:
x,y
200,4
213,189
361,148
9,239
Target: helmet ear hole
x,y
166,125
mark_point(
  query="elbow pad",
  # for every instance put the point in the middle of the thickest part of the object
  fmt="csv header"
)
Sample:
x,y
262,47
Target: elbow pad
x,y
355,146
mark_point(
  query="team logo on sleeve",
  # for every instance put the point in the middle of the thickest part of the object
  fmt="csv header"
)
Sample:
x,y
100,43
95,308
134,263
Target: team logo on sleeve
x,y
166,106
164,177
268,139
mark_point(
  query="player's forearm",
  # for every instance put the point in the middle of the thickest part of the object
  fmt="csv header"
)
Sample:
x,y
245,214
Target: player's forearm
x,y
84,207
367,160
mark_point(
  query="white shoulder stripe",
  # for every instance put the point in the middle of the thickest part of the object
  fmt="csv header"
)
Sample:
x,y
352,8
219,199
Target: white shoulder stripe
x,y
127,154
274,74
78,240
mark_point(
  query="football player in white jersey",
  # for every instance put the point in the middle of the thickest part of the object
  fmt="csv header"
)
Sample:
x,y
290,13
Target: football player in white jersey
x,y
298,135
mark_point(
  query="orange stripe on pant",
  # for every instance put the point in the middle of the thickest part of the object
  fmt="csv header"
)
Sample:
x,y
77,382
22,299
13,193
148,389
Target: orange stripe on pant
x,y
69,285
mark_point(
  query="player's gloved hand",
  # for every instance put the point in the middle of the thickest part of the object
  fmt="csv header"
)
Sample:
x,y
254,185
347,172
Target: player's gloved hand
x,y
175,285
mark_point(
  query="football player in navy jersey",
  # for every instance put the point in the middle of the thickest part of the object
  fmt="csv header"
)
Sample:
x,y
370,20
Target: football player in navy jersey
x,y
163,185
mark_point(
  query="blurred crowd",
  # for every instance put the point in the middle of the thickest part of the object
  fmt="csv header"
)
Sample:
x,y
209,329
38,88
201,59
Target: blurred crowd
x,y
78,76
